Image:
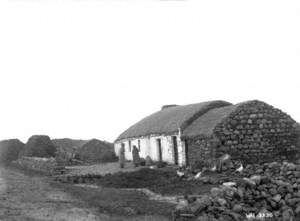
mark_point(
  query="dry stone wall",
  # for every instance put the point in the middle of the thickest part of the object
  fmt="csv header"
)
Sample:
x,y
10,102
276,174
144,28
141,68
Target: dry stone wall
x,y
200,149
44,165
257,132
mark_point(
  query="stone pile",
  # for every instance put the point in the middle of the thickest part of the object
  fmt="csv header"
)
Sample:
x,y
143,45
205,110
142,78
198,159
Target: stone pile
x,y
270,191
256,131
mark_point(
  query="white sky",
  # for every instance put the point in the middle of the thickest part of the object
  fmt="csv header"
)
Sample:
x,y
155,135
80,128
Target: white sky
x,y
90,69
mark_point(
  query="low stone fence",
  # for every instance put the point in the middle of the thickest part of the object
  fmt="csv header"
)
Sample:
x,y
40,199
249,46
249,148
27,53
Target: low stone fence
x,y
44,165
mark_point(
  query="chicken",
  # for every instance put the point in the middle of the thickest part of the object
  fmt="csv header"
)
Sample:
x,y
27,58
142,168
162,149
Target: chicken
x,y
179,173
198,175
214,168
240,169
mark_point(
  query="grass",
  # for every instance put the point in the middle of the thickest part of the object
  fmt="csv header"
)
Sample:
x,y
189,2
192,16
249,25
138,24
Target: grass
x,y
118,202
162,181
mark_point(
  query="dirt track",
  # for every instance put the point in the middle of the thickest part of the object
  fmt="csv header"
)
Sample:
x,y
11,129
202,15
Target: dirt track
x,y
32,198
25,197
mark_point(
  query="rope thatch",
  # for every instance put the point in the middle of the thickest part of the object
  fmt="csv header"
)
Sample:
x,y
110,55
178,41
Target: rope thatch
x,y
206,124
168,120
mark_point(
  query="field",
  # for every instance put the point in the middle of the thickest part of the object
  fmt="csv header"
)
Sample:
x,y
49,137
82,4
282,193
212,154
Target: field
x,y
34,197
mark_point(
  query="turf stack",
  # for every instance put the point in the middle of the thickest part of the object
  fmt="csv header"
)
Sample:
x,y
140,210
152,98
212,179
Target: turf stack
x,y
39,146
66,149
96,151
9,150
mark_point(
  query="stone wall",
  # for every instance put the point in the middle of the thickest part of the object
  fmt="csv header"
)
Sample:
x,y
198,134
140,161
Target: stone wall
x,y
257,132
44,165
201,149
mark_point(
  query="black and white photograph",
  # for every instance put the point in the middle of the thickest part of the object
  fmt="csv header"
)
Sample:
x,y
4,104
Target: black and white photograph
x,y
149,110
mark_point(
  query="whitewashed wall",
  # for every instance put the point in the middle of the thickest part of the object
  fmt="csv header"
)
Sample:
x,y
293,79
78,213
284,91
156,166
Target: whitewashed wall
x,y
148,147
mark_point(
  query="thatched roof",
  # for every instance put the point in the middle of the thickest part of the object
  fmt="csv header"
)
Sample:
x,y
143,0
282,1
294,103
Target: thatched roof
x,y
168,120
206,124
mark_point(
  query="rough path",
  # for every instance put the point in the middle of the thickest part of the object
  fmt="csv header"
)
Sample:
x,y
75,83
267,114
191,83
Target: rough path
x,y
32,198
24,197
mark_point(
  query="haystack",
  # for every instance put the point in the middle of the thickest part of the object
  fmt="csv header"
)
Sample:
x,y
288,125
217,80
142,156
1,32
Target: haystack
x,y
9,150
96,151
39,146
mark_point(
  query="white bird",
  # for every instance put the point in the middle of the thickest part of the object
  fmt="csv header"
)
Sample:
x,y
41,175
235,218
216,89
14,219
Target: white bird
x,y
240,169
198,175
229,184
179,173
214,168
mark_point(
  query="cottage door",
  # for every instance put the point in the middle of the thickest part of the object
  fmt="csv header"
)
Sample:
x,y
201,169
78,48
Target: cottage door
x,y
175,150
158,142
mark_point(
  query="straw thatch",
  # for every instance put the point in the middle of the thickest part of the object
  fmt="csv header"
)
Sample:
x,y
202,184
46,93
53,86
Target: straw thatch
x,y
39,146
206,124
168,120
96,151
9,150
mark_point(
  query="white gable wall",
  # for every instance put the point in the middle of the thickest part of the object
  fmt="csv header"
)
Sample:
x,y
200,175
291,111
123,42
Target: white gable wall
x,y
149,147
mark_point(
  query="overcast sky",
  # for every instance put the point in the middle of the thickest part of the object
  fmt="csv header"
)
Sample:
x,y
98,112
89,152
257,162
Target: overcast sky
x,y
90,69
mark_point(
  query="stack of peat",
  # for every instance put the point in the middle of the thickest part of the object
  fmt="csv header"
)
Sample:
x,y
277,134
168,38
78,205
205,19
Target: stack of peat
x,y
270,191
257,131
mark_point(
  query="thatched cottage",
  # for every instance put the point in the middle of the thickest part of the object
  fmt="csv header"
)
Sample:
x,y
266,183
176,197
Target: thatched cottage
x,y
251,131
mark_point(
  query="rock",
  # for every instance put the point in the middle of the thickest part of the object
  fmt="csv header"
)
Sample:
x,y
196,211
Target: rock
x,y
277,198
229,191
291,166
287,214
249,182
265,180
216,192
149,161
221,201
256,179
205,179
238,208
203,217
297,210
200,204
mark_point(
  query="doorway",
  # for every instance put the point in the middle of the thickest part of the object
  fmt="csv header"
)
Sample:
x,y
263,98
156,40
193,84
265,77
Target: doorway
x,y
158,142
175,149
186,152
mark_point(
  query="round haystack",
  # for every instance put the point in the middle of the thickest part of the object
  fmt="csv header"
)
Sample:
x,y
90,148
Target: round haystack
x,y
39,146
9,150
96,151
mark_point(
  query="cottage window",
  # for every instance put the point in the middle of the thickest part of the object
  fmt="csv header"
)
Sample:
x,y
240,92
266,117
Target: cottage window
x,y
139,145
129,145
